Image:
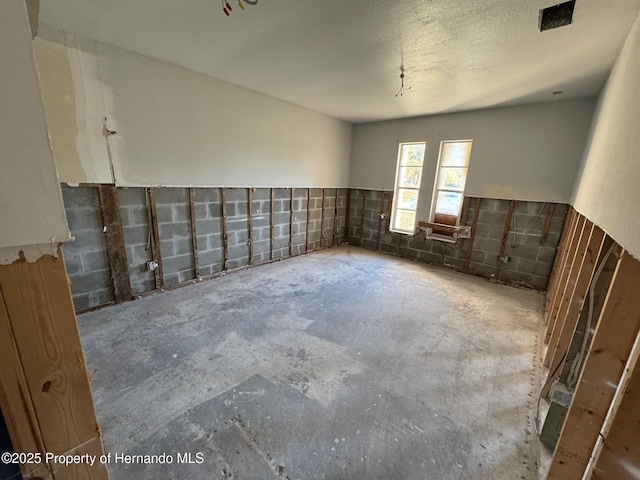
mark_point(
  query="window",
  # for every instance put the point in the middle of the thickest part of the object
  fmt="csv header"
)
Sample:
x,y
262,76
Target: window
x,y
407,188
448,193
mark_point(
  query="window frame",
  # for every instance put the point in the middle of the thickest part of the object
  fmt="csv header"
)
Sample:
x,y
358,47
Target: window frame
x,y
434,199
397,188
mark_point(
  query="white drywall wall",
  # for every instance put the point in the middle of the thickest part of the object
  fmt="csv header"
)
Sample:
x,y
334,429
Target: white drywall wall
x,y
32,216
528,152
176,127
607,189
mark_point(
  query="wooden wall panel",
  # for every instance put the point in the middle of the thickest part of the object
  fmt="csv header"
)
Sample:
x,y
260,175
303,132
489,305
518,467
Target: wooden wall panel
x,y
15,400
38,306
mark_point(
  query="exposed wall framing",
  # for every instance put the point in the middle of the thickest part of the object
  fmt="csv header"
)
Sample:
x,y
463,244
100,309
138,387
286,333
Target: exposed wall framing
x,y
600,429
499,228
192,233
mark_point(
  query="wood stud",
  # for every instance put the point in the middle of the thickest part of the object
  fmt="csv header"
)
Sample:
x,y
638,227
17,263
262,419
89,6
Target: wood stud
x,y
364,202
306,233
114,237
155,239
335,219
322,220
194,235
271,225
250,223
347,215
225,237
291,220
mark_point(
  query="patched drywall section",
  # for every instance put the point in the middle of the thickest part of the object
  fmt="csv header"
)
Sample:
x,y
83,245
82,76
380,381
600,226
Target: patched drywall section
x,y
31,205
606,189
60,106
528,152
174,127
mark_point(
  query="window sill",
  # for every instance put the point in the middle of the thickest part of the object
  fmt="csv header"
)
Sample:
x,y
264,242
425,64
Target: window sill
x,y
440,239
400,232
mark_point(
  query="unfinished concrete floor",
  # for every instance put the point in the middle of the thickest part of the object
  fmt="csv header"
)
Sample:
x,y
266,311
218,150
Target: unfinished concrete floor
x,y
342,364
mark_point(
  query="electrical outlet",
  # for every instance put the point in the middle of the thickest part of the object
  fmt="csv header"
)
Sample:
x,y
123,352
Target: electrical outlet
x,y
152,265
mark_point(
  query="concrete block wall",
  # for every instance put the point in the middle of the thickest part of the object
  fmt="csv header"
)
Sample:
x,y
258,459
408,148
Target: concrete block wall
x,y
208,211
281,220
530,261
261,219
135,226
299,232
174,228
86,257
315,216
237,227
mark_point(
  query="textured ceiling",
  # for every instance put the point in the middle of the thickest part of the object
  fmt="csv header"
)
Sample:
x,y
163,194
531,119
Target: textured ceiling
x,y
343,57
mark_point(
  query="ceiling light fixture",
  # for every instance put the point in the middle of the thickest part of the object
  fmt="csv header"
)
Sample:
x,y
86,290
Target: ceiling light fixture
x,y
402,83
226,8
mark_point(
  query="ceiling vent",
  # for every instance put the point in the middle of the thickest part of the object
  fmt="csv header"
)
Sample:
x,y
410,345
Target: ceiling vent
x,y
557,16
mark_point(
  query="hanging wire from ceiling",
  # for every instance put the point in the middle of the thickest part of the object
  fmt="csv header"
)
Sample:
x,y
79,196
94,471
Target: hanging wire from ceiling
x,y
226,8
402,87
